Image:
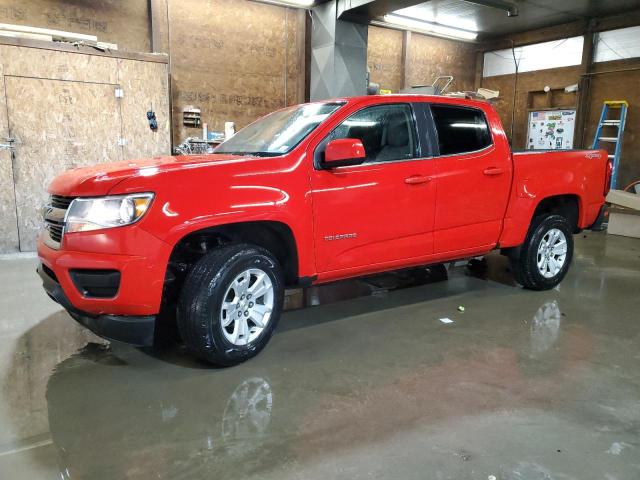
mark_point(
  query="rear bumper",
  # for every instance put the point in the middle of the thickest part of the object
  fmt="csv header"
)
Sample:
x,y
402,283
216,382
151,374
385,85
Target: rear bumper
x,y
134,330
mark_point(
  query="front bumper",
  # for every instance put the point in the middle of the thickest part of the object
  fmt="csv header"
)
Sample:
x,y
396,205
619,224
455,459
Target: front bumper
x,y
134,330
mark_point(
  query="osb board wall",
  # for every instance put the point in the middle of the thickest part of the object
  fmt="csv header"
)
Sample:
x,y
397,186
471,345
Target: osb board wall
x,y
621,85
8,225
75,124
384,57
115,21
430,57
145,86
528,82
235,60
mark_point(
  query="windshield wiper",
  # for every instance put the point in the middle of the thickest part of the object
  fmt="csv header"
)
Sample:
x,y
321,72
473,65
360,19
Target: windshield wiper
x,y
252,154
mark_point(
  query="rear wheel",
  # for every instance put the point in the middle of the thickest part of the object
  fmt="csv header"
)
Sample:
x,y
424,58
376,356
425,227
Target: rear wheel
x,y
230,304
546,254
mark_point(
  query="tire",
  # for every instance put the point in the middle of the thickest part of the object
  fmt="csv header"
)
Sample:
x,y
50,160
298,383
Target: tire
x,y
222,275
526,266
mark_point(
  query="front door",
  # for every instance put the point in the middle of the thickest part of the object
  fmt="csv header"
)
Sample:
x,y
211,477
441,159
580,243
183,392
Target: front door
x,y
474,181
380,212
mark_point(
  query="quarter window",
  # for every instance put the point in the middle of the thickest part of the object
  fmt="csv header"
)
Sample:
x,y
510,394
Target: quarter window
x,y
387,132
460,130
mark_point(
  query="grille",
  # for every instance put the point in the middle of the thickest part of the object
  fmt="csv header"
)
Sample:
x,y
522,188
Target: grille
x,y
58,201
54,213
55,230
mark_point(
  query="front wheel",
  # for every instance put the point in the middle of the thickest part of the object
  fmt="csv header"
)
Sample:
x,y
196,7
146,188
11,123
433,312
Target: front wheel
x,y
546,253
230,304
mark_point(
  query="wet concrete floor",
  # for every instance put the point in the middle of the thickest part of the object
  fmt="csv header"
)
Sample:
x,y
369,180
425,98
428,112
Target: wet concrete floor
x,y
521,385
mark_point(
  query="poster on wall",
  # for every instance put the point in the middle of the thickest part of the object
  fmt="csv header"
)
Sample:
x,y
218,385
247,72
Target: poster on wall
x,y
551,129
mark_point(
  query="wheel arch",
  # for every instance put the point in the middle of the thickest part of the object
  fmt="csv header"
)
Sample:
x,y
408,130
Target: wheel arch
x,y
275,236
568,205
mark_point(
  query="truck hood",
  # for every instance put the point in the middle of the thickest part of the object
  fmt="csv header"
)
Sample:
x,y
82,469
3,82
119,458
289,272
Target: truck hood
x,y
101,179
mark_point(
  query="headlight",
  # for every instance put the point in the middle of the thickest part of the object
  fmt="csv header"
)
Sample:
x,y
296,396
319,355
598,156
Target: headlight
x,y
106,212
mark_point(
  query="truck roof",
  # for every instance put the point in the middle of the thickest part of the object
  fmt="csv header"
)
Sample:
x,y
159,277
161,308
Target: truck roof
x,y
373,99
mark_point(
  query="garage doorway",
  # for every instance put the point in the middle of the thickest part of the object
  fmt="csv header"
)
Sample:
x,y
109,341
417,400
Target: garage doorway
x,y
56,125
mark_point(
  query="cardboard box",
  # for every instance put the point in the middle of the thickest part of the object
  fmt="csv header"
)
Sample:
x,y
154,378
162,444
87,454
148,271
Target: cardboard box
x,y
624,221
624,199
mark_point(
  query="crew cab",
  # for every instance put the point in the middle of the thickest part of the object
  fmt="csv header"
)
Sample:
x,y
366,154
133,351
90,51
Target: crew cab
x,y
308,194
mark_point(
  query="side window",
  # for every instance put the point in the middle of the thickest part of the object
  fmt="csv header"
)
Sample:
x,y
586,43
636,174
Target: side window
x,y
386,131
460,130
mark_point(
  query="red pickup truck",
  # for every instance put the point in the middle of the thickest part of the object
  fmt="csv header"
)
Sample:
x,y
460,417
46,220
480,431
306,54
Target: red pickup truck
x,y
308,194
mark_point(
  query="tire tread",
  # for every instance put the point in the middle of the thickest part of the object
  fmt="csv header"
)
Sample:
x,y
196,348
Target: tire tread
x,y
199,286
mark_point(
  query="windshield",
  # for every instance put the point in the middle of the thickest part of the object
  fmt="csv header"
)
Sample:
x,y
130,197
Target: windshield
x,y
278,132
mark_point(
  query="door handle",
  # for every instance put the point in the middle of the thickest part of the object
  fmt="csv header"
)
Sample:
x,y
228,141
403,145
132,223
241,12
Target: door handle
x,y
417,179
493,171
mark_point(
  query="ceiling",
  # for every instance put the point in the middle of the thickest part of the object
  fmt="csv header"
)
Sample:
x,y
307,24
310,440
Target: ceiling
x,y
533,14
493,22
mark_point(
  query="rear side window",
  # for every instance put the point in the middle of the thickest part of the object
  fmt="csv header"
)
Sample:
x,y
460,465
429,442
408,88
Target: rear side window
x,y
460,130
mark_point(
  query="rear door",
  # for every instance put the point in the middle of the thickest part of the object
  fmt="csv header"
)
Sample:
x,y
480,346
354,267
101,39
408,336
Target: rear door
x,y
474,180
382,210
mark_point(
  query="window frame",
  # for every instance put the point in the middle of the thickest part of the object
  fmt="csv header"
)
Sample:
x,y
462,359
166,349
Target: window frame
x,y
434,130
419,121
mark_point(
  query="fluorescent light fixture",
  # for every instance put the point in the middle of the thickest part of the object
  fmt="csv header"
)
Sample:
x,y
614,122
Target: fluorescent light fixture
x,y
429,27
290,3
432,14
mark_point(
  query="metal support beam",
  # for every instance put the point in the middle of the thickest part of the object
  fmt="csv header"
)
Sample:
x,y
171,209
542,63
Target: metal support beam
x,y
338,55
584,86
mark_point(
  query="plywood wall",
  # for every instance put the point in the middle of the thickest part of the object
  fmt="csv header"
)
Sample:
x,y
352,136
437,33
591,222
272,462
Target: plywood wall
x,y
63,113
125,23
235,60
430,57
623,85
384,58
8,219
528,82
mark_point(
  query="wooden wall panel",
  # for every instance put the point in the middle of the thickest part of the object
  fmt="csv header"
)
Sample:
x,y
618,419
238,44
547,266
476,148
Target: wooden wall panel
x,y
8,220
115,21
58,125
36,62
231,60
431,57
146,87
619,86
384,57
527,82
64,113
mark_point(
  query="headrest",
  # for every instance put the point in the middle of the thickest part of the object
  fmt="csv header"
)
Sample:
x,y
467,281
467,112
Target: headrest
x,y
397,131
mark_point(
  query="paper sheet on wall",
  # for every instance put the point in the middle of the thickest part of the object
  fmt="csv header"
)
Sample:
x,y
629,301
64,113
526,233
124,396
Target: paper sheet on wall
x,y
551,130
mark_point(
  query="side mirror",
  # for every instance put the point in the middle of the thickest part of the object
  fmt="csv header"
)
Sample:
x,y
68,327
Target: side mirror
x,y
343,152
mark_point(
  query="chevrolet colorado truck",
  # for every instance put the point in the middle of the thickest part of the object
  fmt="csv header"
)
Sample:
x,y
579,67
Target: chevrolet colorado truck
x,y
308,194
